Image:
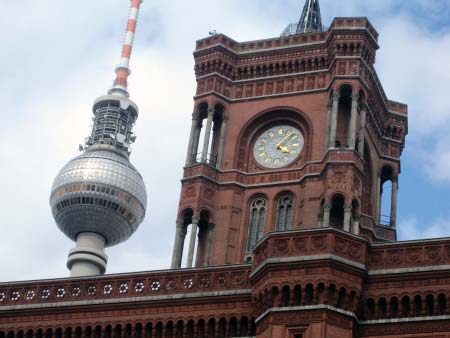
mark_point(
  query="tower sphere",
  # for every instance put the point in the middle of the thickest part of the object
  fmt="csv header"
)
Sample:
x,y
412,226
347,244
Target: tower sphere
x,y
100,192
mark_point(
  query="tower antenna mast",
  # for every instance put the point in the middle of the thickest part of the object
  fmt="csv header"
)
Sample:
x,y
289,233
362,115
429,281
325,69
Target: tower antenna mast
x,y
120,86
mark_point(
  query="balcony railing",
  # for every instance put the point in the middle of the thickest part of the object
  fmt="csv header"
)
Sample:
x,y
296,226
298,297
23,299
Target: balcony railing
x,y
385,220
341,142
211,159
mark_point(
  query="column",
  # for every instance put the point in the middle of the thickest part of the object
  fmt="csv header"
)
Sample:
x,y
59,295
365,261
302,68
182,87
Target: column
x,y
326,216
356,227
394,202
198,131
400,308
196,329
334,118
209,237
327,132
181,247
207,135
176,245
362,132
351,137
192,138
192,242
347,217
223,131
378,200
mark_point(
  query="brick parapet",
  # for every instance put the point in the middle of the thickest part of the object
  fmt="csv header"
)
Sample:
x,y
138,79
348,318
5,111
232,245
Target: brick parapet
x,y
286,42
116,288
375,258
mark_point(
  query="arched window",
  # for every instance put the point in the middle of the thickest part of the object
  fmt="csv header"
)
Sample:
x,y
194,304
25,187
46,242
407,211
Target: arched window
x,y
343,117
284,213
201,328
417,306
406,306
211,328
309,294
337,212
341,298
382,308
394,307
297,295
429,304
285,296
233,327
169,330
387,177
256,222
370,309
442,304
190,329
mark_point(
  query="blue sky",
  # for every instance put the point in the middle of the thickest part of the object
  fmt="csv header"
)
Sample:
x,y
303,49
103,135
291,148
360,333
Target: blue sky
x,y
57,57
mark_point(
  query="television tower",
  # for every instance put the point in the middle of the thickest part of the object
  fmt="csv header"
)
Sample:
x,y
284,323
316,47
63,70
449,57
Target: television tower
x,y
99,199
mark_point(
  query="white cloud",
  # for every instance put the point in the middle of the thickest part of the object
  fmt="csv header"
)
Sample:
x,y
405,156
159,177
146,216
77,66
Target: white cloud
x,y
411,229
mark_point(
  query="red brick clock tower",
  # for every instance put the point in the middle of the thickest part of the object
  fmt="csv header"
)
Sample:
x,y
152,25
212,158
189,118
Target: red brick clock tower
x,y
287,134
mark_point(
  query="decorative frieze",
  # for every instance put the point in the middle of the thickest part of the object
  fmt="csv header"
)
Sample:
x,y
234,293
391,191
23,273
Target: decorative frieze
x,y
116,287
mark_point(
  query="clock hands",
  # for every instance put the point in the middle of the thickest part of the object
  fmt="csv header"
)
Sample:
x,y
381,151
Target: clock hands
x,y
279,145
284,149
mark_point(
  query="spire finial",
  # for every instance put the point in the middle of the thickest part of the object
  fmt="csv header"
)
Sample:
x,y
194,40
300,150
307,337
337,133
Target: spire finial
x,y
120,86
311,20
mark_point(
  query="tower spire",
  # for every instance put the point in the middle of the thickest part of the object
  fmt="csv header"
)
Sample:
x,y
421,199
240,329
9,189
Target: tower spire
x,y
311,20
120,86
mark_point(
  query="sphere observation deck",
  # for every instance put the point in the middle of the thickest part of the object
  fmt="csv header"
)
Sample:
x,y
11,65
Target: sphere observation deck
x,y
101,192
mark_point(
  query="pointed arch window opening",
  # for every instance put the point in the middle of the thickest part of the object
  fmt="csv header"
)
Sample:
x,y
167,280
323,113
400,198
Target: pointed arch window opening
x,y
257,220
337,212
187,236
343,118
205,141
388,190
285,213
202,242
385,197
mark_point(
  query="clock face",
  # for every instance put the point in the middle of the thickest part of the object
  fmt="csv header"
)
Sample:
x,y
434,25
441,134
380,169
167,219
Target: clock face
x,y
278,146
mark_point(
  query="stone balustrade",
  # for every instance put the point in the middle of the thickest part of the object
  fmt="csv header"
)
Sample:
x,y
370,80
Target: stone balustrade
x,y
160,283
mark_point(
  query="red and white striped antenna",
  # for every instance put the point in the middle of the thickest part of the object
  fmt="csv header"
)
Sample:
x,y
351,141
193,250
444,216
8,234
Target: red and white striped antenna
x,y
120,86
